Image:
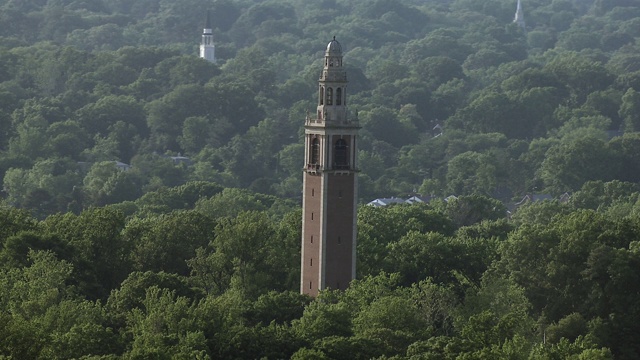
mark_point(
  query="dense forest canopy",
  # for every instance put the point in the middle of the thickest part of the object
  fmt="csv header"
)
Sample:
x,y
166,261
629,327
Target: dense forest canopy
x,y
453,96
218,277
150,199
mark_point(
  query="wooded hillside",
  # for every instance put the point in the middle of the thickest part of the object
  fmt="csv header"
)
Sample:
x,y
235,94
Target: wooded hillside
x,y
454,97
150,204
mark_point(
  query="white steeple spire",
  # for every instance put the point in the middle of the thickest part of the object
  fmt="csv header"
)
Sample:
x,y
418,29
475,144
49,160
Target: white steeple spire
x,y
207,48
519,18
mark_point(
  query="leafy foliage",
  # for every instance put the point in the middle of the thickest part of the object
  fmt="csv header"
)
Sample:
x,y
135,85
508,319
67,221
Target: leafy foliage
x,y
184,284
149,197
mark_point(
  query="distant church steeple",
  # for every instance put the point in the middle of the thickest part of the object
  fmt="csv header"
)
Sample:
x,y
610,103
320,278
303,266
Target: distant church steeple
x,y
207,48
519,18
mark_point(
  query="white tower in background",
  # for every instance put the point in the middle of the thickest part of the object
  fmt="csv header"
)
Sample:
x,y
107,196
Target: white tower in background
x,y
519,18
207,48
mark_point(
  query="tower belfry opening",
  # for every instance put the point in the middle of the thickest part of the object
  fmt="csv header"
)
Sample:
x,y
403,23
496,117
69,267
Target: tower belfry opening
x,y
329,184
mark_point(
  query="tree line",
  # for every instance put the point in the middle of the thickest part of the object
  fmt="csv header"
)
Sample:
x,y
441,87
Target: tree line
x,y
215,278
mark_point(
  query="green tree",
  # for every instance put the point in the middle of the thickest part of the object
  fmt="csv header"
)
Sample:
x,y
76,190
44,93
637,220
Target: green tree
x,y
30,128
132,293
17,247
13,221
99,250
121,143
30,291
183,197
438,70
471,172
27,294
630,110
186,70
310,354
158,171
97,117
165,327
45,188
495,320
165,242
379,227
106,184
627,148
392,321
278,307
581,75
569,327
471,209
598,195
197,132
246,256
447,98
489,112
232,201
322,319
102,37
419,256
248,246
569,164
383,123
66,139
540,213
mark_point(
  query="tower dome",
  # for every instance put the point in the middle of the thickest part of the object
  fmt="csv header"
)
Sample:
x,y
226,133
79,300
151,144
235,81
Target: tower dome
x,y
334,47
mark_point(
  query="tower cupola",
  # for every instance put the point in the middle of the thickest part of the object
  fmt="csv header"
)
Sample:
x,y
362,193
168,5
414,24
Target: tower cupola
x,y
333,55
332,87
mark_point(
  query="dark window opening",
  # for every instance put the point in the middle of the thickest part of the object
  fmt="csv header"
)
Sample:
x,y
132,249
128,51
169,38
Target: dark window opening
x,y
309,284
315,151
312,239
313,191
339,96
311,216
339,240
340,154
310,262
321,95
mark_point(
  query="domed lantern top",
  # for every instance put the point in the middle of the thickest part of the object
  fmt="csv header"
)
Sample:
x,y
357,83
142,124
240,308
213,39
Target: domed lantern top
x,y
334,47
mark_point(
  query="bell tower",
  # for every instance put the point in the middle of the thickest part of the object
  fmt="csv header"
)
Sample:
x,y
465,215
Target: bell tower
x,y
329,184
207,47
519,17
